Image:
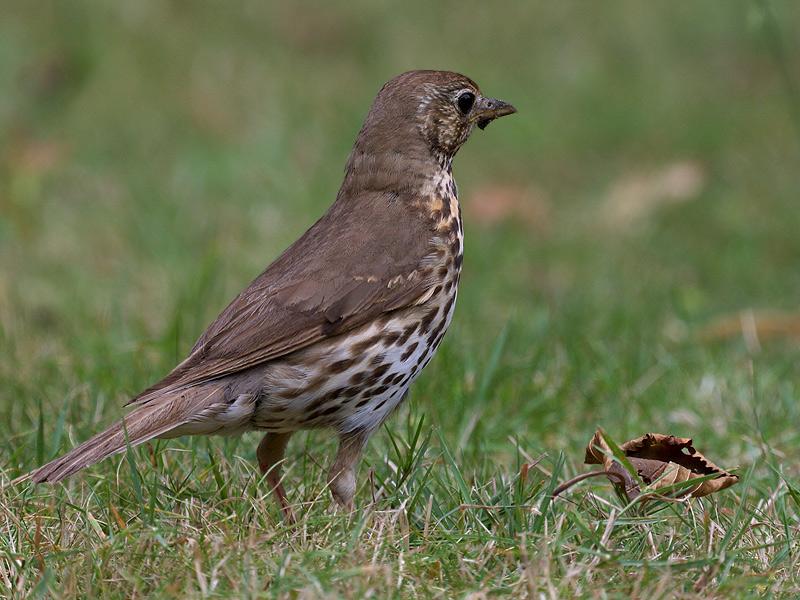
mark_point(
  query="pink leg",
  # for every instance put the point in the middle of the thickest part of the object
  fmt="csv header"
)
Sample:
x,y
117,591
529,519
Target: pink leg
x,y
270,453
342,475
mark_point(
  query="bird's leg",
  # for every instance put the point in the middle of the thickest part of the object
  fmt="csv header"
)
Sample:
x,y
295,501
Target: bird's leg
x,y
270,454
342,476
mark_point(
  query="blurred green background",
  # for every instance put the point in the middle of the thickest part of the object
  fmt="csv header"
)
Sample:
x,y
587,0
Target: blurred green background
x,y
632,234
157,155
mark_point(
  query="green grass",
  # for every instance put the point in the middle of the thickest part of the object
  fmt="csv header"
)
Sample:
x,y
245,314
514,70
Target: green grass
x,y
155,156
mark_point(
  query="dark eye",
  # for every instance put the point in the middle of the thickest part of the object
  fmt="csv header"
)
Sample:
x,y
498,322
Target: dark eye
x,y
465,101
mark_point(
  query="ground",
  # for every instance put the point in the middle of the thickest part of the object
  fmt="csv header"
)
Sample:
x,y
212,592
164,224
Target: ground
x,y
631,263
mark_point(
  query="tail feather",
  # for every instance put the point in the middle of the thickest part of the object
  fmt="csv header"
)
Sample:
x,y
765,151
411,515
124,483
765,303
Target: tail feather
x,y
152,420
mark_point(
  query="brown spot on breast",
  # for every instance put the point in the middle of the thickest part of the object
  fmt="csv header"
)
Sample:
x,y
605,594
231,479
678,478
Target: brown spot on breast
x,y
437,331
410,350
407,332
325,398
394,380
357,349
380,371
358,377
426,321
449,304
351,392
341,365
391,337
438,340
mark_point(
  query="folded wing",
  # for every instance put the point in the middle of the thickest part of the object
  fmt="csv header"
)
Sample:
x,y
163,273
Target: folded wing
x,y
339,275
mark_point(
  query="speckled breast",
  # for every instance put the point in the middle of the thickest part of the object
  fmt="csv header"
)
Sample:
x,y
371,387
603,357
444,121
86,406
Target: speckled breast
x,y
354,381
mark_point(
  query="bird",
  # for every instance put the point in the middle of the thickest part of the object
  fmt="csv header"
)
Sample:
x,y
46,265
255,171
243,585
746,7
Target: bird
x,y
334,332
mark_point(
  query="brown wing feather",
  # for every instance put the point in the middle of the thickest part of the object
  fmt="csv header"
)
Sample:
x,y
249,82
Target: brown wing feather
x,y
351,266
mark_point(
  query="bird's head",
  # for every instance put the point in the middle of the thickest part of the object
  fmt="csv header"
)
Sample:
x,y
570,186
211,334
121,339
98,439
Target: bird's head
x,y
427,111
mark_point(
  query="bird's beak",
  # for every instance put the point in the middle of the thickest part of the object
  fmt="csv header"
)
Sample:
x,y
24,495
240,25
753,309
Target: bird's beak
x,y
487,110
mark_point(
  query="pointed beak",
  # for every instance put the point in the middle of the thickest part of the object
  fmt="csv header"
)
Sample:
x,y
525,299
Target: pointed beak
x,y
488,109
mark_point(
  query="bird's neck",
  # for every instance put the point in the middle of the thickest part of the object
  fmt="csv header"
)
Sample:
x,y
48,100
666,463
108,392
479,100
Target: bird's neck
x,y
393,172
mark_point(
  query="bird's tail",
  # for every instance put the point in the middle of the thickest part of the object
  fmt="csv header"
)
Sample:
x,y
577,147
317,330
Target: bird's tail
x,y
161,417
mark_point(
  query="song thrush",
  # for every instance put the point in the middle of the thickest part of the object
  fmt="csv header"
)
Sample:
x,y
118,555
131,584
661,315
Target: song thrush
x,y
332,333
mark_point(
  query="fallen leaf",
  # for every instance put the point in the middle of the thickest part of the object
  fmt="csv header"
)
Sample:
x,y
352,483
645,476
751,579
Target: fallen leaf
x,y
637,196
493,204
35,156
662,462
753,326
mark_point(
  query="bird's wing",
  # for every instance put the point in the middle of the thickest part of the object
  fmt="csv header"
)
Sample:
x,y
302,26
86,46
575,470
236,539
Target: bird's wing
x,y
367,256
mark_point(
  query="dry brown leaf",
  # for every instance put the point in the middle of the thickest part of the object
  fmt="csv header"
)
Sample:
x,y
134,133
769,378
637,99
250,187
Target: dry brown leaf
x,y
492,204
754,326
637,196
660,461
35,156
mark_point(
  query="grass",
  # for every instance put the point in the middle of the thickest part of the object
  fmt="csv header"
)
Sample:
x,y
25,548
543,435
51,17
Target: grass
x,y
155,156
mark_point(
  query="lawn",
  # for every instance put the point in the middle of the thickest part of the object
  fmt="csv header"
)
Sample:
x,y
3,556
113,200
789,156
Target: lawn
x,y
632,263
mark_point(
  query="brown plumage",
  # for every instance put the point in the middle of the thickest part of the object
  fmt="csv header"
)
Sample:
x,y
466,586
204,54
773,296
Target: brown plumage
x,y
335,330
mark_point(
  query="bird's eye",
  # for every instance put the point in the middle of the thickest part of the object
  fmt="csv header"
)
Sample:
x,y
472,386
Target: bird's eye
x,y
465,101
